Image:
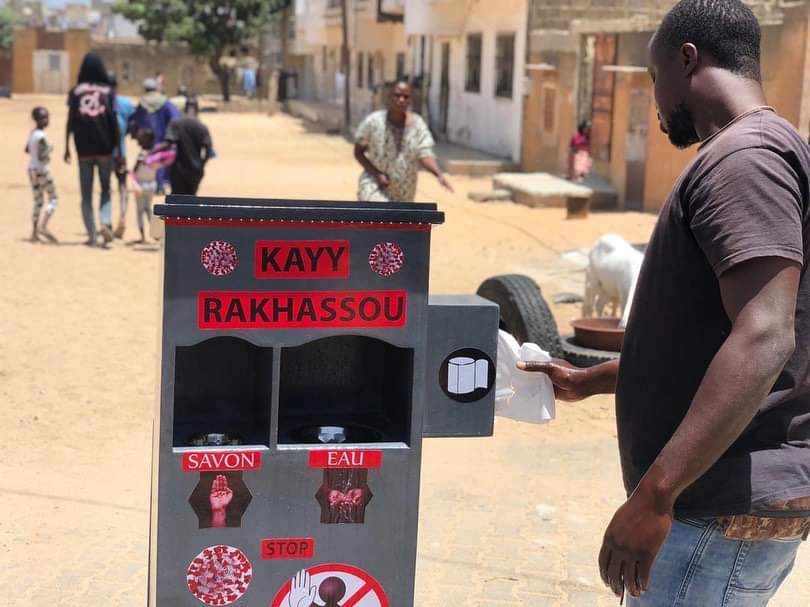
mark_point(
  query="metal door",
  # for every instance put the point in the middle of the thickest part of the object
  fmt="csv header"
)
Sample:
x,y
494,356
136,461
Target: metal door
x,y
636,147
51,72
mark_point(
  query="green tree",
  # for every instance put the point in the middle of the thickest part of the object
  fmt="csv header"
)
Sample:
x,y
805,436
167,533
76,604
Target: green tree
x,y
6,28
209,27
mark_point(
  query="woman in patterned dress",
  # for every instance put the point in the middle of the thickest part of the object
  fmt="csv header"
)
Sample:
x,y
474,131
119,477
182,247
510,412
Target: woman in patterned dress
x,y
391,145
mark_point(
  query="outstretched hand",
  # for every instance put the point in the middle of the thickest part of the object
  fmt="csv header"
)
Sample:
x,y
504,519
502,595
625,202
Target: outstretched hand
x,y
445,184
570,382
302,592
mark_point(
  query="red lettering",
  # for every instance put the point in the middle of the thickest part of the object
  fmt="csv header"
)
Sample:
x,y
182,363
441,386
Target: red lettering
x,y
301,259
345,458
221,461
301,309
288,548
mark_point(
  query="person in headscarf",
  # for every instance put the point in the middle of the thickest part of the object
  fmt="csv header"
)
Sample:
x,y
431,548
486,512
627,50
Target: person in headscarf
x,y
154,112
391,145
93,124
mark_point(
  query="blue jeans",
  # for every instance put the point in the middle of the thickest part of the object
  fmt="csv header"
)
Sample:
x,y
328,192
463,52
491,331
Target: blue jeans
x,y
699,567
86,170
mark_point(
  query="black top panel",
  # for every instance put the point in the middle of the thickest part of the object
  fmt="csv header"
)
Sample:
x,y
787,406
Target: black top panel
x,y
299,210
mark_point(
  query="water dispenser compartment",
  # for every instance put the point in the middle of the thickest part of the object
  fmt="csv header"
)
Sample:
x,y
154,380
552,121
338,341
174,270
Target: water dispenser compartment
x,y
345,389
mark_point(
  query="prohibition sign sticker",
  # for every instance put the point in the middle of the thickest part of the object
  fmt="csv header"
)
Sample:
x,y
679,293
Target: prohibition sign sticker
x,y
358,588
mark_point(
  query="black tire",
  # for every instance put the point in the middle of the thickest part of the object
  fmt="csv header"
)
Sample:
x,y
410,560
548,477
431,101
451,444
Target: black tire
x,y
524,312
584,357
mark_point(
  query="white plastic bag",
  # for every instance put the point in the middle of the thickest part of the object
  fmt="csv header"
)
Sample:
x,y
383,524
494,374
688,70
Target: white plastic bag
x,y
522,395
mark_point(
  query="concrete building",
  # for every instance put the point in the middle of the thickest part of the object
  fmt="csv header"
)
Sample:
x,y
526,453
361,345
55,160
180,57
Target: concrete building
x,y
377,49
472,54
589,60
46,61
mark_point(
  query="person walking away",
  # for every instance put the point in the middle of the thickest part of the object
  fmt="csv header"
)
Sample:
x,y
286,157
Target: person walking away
x,y
151,159
391,145
39,173
181,98
154,112
94,127
579,157
192,143
713,384
124,108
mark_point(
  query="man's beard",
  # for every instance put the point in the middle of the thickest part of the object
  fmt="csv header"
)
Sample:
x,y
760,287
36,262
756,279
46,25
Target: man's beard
x,y
681,128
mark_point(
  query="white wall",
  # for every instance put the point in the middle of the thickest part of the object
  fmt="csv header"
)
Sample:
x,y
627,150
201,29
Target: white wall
x,y
482,120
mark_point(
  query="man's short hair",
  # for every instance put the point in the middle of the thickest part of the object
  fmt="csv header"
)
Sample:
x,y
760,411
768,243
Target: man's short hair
x,y
726,29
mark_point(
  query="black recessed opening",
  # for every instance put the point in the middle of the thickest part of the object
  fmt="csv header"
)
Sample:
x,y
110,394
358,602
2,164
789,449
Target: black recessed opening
x,y
222,386
360,385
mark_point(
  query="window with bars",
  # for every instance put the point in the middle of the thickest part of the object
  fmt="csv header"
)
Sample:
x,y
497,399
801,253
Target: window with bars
x,y
359,70
472,80
504,65
370,72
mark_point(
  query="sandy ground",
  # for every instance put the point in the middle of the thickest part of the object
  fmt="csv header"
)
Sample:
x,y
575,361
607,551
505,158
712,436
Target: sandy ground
x,y
78,349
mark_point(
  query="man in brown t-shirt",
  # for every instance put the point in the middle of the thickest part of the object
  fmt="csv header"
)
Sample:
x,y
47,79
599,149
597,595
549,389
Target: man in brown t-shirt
x,y
713,385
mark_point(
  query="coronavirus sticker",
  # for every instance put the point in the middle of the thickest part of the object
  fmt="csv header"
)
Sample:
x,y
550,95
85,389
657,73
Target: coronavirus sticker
x,y
331,584
219,575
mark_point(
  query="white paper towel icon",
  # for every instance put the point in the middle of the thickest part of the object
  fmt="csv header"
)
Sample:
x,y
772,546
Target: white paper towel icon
x,y
465,375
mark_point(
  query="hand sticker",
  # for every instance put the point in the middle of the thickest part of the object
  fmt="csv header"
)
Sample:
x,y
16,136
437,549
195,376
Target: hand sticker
x,y
220,498
302,592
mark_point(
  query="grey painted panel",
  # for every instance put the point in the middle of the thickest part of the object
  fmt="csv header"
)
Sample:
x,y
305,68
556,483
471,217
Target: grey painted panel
x,y
456,323
253,383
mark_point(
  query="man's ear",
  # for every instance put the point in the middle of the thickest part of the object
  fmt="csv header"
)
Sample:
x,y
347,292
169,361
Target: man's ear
x,y
688,59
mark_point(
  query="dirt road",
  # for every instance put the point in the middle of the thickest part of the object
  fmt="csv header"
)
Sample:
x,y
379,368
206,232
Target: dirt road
x,y
515,520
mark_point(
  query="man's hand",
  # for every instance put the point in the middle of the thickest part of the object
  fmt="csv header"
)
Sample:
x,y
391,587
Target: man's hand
x,y
632,541
571,383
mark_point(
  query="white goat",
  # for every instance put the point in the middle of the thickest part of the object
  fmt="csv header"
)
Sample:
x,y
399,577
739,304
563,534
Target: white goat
x,y
611,276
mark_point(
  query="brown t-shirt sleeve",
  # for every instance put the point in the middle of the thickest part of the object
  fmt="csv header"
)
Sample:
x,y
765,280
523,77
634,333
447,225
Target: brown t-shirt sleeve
x,y
749,205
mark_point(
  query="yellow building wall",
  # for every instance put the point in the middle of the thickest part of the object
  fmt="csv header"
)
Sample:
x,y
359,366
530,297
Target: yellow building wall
x,y
77,45
621,122
25,43
541,150
784,50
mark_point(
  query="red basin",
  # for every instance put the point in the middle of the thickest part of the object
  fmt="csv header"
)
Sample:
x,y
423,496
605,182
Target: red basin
x,y
598,333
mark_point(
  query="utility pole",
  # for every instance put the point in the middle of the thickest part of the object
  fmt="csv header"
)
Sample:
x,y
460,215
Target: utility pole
x,y
346,67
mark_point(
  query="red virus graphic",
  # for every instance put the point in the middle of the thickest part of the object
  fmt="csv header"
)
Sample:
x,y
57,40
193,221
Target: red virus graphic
x,y
219,575
219,258
386,258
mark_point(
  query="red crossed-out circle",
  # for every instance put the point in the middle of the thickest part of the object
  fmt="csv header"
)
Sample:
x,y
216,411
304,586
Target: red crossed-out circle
x,y
369,585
